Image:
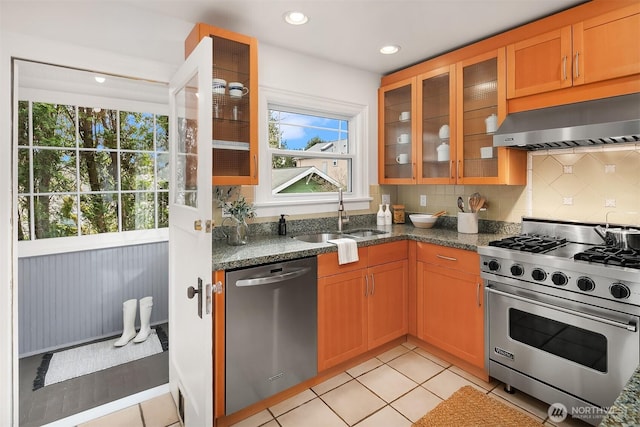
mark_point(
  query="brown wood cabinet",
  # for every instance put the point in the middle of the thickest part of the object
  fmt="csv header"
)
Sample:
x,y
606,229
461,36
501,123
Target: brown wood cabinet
x,y
233,118
361,305
601,48
445,111
450,306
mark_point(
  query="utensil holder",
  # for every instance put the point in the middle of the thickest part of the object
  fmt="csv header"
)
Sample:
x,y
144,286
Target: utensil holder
x,y
468,222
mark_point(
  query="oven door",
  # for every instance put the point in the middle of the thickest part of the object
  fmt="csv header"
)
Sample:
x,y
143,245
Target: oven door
x,y
579,349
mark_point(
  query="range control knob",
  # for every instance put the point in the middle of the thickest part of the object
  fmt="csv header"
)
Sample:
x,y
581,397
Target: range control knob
x,y
539,274
517,270
586,284
619,291
494,265
559,279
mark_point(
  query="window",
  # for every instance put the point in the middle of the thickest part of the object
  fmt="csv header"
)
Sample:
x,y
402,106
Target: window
x,y
87,170
310,148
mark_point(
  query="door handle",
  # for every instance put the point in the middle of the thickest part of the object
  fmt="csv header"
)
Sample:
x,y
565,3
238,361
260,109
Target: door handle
x,y
191,292
197,225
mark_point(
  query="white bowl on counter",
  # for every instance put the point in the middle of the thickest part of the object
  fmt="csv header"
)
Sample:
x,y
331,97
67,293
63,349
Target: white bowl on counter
x,y
423,220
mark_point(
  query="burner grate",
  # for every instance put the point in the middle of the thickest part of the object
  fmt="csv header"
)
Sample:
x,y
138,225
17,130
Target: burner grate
x,y
529,243
610,256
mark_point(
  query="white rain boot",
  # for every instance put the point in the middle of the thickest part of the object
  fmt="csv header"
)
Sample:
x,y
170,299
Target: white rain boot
x,y
129,322
146,304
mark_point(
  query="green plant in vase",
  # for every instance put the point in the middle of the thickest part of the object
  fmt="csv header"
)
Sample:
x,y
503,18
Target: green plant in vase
x,y
239,210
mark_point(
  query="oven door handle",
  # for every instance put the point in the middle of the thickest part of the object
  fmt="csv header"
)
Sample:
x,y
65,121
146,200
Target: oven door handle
x,y
628,326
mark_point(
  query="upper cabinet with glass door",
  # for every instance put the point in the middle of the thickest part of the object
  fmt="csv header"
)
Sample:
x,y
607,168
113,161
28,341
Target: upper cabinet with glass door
x,y
397,133
235,104
481,107
436,109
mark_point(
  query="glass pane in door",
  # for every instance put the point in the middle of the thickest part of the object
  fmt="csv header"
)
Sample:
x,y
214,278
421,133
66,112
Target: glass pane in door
x,y
480,110
397,133
187,145
435,127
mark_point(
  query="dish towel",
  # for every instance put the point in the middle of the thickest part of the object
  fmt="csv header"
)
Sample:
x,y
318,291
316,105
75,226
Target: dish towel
x,y
347,250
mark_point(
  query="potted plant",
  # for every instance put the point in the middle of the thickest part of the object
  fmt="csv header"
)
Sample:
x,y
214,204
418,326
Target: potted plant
x,y
239,210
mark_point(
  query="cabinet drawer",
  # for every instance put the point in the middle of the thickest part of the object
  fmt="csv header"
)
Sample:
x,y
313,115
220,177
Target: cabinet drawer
x,y
388,252
447,257
328,263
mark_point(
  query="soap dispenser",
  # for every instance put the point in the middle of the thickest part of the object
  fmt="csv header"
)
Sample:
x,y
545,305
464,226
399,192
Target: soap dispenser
x,y
388,219
380,216
282,226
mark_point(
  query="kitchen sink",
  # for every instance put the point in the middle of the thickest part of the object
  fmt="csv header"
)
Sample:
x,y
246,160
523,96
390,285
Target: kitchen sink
x,y
366,233
350,234
320,237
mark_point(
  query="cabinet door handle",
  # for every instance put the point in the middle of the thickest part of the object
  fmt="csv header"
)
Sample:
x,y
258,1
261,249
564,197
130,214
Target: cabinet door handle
x,y
564,67
451,167
255,164
373,285
577,64
366,284
458,169
413,171
448,258
478,294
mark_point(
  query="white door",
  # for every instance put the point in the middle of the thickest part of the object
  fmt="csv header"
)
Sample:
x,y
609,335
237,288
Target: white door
x,y
190,308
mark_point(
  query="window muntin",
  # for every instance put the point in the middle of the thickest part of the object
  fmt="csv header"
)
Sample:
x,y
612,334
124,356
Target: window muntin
x,y
302,146
85,170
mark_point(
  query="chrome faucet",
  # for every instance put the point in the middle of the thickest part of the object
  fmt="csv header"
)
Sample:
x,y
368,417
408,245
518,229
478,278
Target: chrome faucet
x,y
343,217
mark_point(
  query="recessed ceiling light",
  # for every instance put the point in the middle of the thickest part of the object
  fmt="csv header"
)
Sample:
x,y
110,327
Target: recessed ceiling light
x,y
100,79
389,50
296,18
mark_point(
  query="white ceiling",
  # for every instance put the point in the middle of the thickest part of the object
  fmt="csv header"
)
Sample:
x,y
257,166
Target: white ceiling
x,y
349,32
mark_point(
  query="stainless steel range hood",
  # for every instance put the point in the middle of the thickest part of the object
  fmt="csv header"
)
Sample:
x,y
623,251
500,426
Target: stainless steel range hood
x,y
603,121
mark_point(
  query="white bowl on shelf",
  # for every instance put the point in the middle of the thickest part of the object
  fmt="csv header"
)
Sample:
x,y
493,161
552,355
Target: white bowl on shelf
x,y
423,220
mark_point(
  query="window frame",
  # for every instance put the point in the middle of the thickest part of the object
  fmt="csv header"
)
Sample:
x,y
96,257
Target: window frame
x,y
357,116
37,247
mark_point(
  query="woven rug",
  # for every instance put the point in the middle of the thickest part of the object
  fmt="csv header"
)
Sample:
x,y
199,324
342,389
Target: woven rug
x,y
85,359
468,407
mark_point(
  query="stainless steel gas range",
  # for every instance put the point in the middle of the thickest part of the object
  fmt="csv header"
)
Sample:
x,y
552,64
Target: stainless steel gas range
x,y
562,315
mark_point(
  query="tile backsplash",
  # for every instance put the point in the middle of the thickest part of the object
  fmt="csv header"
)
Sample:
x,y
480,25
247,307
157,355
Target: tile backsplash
x,y
586,184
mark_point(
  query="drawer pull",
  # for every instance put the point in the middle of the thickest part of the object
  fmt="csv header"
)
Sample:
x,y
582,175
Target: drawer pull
x,y
448,258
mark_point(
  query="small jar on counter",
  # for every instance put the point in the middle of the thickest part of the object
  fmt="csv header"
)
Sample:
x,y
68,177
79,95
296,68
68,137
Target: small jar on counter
x,y
398,214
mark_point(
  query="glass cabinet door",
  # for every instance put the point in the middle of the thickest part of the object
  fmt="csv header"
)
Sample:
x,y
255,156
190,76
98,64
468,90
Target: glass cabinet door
x,y
482,105
234,87
397,148
436,106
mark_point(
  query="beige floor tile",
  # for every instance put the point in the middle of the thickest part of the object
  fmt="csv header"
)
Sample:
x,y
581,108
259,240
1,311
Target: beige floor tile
x,y
409,345
523,400
385,417
314,413
393,353
387,383
364,367
272,423
331,383
446,383
292,402
485,385
416,367
431,357
255,420
352,401
415,404
176,425
129,417
518,408
160,411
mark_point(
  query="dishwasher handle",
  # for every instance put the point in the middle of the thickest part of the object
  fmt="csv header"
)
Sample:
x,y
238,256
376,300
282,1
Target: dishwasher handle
x,y
275,278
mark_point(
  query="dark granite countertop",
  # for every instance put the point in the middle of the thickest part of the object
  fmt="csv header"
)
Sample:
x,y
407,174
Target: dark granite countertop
x,y
273,248
626,409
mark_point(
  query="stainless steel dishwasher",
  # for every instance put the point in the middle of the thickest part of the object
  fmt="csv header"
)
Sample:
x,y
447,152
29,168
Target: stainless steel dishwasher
x,y
271,330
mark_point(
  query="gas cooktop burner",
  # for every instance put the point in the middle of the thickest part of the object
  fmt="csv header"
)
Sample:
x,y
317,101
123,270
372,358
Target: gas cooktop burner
x,y
529,243
611,256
